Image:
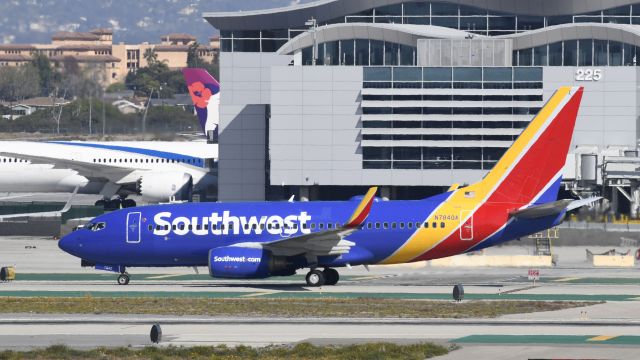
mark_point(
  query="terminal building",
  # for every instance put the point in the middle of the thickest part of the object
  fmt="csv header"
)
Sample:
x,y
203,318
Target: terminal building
x,y
324,99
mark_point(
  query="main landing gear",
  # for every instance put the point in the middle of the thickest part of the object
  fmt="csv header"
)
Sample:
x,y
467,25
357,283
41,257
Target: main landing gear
x,y
327,276
115,204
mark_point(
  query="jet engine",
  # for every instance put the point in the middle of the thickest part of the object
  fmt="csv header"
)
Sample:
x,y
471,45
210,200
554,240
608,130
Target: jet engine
x,y
158,186
247,263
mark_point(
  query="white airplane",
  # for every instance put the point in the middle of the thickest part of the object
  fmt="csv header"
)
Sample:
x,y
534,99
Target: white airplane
x,y
158,171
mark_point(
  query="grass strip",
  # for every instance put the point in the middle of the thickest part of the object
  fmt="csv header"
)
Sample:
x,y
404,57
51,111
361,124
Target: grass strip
x,y
300,351
281,307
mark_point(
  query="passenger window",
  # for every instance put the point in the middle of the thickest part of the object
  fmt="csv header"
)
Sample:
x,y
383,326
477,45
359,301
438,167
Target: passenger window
x,y
150,227
385,225
410,225
442,225
159,227
393,225
206,226
377,225
369,226
329,226
313,226
175,227
321,226
435,225
418,225
190,227
425,225
401,225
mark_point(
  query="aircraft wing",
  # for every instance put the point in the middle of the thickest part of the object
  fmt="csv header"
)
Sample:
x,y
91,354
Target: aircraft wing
x,y
88,170
328,242
64,209
552,208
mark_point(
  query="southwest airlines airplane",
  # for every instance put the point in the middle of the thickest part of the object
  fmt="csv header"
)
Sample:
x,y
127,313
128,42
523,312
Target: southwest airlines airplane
x,y
158,171
258,240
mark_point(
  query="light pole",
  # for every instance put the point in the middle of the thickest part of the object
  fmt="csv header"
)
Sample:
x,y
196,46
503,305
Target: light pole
x,y
313,24
144,117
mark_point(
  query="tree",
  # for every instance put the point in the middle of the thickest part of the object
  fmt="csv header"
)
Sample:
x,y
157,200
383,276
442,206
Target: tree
x,y
151,56
18,83
48,77
195,61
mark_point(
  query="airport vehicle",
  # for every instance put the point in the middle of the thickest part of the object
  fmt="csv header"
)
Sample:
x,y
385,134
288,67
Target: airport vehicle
x,y
516,198
158,171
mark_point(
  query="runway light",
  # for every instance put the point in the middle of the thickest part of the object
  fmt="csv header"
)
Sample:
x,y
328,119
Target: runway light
x,y
156,334
458,292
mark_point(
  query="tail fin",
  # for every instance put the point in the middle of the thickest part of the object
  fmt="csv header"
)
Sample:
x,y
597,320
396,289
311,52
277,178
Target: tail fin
x,y
205,94
531,170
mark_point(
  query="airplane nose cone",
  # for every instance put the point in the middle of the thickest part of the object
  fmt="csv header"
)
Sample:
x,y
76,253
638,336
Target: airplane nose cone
x,y
69,244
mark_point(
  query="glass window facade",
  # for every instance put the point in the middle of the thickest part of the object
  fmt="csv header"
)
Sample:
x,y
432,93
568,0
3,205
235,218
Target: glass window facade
x,y
578,53
361,52
450,129
462,17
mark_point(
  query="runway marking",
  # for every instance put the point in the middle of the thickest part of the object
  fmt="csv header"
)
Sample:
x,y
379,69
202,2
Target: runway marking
x,y
566,279
263,293
602,338
547,339
519,289
164,276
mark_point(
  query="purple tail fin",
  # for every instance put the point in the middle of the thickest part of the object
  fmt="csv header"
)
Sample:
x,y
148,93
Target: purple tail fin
x,y
205,94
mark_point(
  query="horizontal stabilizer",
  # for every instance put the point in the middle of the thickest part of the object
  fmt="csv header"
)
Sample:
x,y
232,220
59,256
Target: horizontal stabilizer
x,y
552,208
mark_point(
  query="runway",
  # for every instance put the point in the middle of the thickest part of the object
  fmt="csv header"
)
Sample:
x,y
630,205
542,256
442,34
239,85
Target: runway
x,y
550,339
607,330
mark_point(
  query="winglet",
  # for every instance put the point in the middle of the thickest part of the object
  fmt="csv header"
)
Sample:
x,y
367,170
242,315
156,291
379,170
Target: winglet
x,y
363,209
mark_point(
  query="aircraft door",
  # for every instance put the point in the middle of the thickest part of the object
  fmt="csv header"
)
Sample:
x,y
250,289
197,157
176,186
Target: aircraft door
x,y
466,229
133,227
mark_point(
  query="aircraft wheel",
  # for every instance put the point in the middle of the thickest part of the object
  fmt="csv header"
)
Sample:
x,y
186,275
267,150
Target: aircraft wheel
x,y
113,205
123,279
128,203
315,278
331,275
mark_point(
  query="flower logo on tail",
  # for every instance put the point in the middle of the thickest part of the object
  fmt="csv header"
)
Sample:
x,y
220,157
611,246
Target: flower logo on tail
x,y
200,94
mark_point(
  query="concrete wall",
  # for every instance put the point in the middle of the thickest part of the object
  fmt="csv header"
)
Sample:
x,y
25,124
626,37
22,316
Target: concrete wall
x,y
314,128
609,110
245,96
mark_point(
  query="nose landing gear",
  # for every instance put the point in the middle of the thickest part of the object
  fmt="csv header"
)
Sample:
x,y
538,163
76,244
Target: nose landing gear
x,y
123,278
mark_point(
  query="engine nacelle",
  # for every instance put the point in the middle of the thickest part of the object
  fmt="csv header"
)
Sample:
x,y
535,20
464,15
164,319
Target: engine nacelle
x,y
158,186
247,263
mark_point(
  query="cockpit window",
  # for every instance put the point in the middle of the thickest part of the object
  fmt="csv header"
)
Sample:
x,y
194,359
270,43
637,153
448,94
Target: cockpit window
x,y
99,226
